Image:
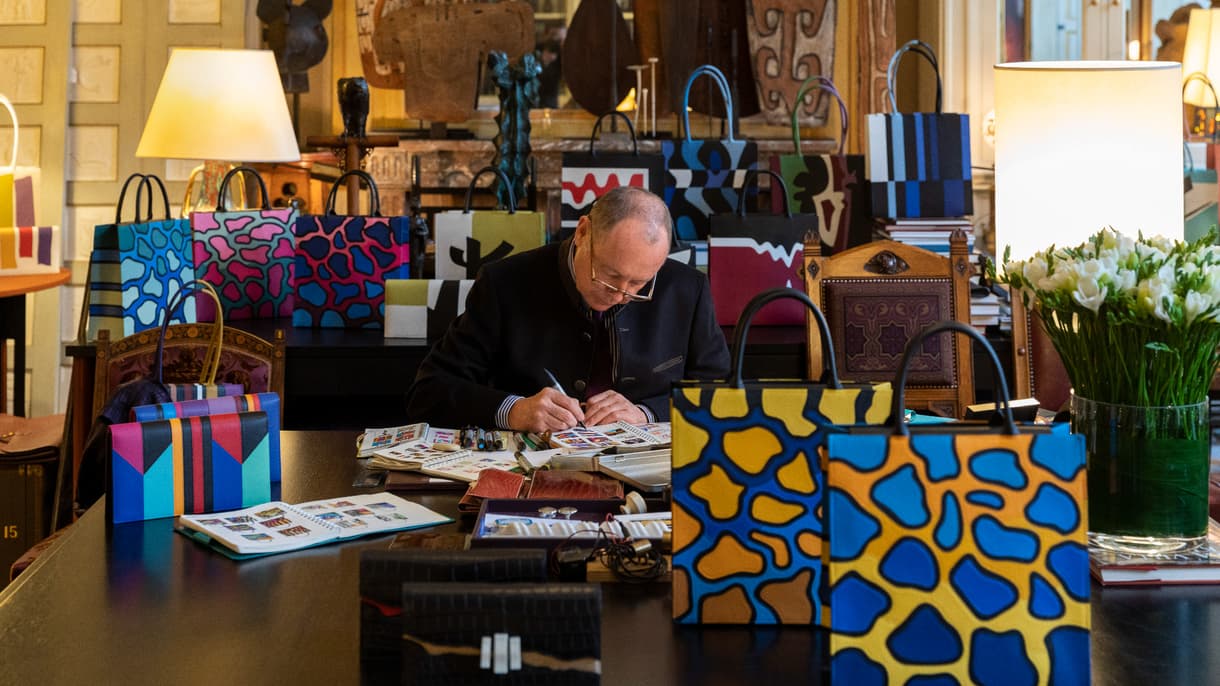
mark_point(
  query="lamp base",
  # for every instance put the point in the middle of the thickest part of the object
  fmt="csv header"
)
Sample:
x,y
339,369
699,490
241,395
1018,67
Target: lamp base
x,y
203,188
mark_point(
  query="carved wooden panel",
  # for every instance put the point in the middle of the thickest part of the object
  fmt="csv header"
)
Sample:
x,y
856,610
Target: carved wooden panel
x,y
23,12
791,40
876,43
194,11
97,74
368,15
21,74
440,51
98,11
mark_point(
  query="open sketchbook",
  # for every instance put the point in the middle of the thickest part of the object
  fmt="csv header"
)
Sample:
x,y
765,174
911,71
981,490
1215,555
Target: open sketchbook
x,y
619,435
278,527
1200,566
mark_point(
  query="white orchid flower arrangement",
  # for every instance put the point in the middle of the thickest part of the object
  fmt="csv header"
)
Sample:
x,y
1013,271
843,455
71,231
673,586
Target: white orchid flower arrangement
x,y
1135,321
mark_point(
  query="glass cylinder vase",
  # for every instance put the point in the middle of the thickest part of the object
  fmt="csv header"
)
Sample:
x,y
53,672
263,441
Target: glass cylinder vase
x,y
1147,473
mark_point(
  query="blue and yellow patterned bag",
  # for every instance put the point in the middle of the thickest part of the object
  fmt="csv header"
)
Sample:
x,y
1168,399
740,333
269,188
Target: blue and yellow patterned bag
x,y
747,487
957,551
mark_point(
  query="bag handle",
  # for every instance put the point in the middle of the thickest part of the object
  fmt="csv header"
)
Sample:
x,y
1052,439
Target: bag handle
x,y
512,199
919,48
1200,76
224,187
211,360
776,180
717,76
743,328
1010,426
635,144
811,84
12,166
374,196
118,210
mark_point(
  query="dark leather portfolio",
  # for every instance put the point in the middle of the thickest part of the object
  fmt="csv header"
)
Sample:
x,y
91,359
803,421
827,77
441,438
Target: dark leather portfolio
x,y
503,634
383,573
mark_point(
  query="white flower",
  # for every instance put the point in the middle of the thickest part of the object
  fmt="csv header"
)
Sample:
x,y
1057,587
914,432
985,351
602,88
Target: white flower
x,y
1197,304
1152,294
1089,293
1033,271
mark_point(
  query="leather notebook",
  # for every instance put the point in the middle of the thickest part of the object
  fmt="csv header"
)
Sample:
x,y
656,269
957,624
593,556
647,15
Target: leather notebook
x,y
492,483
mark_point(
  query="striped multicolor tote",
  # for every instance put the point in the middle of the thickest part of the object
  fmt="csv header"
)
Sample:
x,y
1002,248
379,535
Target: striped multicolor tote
x,y
919,163
253,402
193,465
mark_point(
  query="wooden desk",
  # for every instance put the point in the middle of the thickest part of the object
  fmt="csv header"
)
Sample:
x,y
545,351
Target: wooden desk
x,y
13,290
146,605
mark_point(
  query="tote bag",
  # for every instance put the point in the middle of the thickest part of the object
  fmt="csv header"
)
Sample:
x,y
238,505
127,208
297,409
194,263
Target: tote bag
x,y
831,186
342,263
958,551
586,176
749,254
748,488
253,402
467,239
137,267
16,183
423,308
247,255
704,176
919,162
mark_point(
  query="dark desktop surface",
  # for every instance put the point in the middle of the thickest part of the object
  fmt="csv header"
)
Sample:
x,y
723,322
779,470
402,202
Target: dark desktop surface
x,y
140,604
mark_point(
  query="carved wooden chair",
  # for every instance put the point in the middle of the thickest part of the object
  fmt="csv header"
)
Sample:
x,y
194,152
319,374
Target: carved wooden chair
x,y
879,295
246,359
1037,370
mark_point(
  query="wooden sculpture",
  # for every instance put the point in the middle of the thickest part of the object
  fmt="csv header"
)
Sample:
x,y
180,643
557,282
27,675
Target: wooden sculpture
x,y
695,32
596,55
439,51
791,40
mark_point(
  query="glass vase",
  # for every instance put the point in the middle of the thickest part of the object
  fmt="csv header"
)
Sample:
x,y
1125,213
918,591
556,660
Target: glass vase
x,y
1147,473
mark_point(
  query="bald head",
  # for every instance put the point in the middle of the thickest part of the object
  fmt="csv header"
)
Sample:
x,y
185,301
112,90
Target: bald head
x,y
629,202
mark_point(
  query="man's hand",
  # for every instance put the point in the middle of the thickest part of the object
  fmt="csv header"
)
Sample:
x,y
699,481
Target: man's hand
x,y
546,410
609,407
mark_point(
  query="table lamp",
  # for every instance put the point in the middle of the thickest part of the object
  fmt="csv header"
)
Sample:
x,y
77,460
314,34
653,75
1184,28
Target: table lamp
x,y
1082,145
220,106
1201,54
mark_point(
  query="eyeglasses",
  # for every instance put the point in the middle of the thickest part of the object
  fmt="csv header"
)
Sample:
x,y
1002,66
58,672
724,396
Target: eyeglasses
x,y
631,297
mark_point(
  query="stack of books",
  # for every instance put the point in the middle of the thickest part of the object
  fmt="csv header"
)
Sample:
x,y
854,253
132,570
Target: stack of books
x,y
928,233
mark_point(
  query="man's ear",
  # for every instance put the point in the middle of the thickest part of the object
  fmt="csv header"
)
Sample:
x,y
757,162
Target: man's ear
x,y
582,227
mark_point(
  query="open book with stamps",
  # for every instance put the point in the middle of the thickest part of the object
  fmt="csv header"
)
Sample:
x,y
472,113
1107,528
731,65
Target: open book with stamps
x,y
278,527
620,435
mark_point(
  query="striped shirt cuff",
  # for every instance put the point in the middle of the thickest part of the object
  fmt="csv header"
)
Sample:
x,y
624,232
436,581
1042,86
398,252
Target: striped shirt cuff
x,y
648,415
505,407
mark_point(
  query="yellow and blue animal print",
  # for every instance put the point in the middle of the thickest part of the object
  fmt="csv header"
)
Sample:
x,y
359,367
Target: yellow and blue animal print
x,y
958,559
747,498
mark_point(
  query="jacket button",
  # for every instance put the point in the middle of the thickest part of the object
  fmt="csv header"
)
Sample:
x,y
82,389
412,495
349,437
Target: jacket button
x,y
579,386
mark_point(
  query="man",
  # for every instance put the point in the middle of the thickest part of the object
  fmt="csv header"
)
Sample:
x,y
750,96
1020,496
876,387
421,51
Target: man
x,y
605,312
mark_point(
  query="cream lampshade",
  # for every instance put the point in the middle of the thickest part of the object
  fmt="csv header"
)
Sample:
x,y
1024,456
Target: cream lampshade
x,y
1083,145
220,106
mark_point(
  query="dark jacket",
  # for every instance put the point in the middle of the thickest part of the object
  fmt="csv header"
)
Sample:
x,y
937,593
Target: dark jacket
x,y
524,314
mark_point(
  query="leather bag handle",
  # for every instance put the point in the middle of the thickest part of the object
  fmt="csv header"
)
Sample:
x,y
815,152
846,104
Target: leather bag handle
x,y
778,186
12,165
224,187
811,84
211,360
512,199
743,328
635,144
900,428
718,77
374,196
919,48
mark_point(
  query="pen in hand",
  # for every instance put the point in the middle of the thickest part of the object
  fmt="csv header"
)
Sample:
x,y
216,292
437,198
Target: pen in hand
x,y
559,387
